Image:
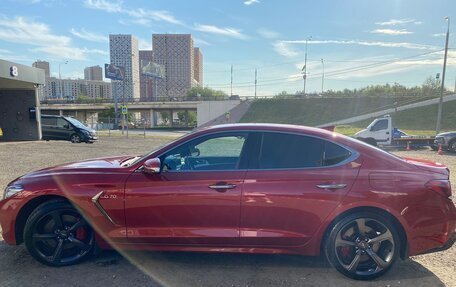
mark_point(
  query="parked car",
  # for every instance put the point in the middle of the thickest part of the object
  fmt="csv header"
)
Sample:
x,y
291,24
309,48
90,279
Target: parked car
x,y
251,188
447,140
66,128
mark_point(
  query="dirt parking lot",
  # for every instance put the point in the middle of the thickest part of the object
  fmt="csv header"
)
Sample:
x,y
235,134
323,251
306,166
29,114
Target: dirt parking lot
x,y
110,268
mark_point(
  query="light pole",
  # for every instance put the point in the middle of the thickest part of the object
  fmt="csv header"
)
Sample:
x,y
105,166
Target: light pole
x,y
442,88
304,69
60,79
322,76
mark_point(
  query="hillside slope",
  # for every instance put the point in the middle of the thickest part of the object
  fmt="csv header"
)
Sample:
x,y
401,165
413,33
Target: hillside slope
x,y
314,111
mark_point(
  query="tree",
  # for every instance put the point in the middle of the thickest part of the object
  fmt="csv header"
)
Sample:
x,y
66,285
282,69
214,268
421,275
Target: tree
x,y
204,94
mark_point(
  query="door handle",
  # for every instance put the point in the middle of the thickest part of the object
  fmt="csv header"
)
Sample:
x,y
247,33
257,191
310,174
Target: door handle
x,y
222,185
332,186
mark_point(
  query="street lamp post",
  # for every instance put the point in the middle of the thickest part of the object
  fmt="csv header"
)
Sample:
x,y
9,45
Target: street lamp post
x,y
60,79
442,87
304,69
322,76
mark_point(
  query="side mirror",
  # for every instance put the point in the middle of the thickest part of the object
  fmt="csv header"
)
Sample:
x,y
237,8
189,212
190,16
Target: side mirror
x,y
67,126
152,166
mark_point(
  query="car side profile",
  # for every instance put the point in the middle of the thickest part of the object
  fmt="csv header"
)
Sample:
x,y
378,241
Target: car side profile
x,y
248,188
66,128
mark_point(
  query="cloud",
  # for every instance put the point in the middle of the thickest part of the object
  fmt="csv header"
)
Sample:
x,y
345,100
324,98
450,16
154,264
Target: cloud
x,y
110,7
250,2
268,34
391,31
141,16
283,48
394,22
89,36
201,42
144,44
405,45
439,35
230,32
29,32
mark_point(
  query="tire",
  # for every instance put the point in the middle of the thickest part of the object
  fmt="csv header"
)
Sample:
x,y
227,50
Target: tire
x,y
75,138
452,145
55,234
363,245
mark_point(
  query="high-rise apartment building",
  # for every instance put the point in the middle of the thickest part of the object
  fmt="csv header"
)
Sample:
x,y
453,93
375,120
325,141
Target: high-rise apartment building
x,y
145,57
176,53
94,73
124,52
43,65
198,66
72,89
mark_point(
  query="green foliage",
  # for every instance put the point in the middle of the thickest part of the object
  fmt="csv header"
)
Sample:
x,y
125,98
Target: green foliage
x,y
429,88
206,93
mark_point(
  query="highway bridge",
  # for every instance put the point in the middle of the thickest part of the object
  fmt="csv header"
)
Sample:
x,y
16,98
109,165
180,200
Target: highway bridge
x,y
87,112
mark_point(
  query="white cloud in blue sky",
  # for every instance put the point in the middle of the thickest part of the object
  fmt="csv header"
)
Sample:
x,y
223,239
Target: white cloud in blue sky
x,y
267,35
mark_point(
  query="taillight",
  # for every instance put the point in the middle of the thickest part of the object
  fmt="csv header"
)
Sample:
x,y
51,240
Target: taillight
x,y
441,186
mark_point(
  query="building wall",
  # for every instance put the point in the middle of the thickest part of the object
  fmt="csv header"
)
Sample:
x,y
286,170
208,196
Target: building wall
x,y
198,66
72,89
44,65
124,52
176,53
94,73
145,56
14,115
209,110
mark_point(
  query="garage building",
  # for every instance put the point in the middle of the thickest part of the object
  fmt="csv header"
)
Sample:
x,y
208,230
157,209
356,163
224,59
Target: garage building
x,y
19,103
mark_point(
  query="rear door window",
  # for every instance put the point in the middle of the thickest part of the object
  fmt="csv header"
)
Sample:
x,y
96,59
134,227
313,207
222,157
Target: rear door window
x,y
281,151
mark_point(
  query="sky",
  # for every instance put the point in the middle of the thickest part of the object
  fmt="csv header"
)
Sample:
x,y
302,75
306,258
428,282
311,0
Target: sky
x,y
356,43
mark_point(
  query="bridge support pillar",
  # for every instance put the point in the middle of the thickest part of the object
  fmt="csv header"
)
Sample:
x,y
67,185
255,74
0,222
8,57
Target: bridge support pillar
x,y
153,118
60,112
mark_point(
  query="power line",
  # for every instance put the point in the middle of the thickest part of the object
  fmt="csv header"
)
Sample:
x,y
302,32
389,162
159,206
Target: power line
x,y
329,74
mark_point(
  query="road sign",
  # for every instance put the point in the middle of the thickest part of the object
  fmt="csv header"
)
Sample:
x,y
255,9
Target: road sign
x,y
124,110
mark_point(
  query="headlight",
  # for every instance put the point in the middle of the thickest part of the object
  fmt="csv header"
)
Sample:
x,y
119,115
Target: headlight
x,y
12,190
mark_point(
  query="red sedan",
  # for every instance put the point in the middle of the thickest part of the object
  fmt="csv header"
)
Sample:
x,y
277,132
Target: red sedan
x,y
252,188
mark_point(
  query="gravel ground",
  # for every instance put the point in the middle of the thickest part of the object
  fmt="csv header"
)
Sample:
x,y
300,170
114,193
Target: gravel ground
x,y
17,268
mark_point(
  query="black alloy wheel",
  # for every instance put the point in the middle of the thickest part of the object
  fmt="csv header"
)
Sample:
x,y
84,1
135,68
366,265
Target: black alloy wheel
x,y
363,246
57,235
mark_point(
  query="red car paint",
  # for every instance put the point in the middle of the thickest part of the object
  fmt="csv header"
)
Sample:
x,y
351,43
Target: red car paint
x,y
269,211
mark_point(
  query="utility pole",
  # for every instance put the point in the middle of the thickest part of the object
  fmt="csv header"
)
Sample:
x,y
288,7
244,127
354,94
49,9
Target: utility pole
x,y
322,76
442,88
255,83
231,80
304,69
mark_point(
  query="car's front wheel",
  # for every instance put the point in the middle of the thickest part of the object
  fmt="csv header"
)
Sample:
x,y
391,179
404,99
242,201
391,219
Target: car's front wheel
x,y
363,245
452,145
57,235
75,138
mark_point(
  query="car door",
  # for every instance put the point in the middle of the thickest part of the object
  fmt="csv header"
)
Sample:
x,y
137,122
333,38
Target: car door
x,y
196,197
292,185
63,129
381,131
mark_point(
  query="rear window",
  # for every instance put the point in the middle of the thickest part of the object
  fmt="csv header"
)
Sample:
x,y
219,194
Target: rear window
x,y
280,151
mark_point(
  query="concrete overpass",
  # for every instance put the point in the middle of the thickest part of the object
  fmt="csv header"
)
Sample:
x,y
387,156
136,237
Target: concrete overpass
x,y
86,112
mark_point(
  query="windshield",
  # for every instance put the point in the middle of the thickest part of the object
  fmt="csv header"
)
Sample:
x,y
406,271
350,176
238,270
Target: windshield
x,y
76,123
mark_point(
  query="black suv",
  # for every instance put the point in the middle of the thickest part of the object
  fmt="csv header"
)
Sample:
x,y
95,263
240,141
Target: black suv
x,y
66,128
447,140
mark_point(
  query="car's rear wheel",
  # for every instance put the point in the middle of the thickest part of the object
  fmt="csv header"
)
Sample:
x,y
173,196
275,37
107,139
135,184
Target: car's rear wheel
x,y
363,245
75,138
57,235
